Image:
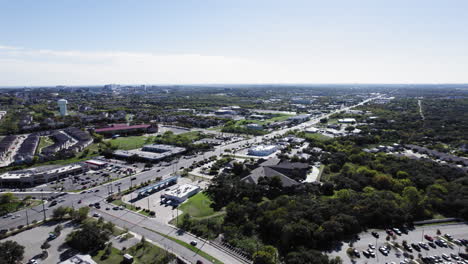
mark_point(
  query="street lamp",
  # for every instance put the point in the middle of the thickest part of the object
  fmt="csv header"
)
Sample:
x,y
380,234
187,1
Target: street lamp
x,y
43,203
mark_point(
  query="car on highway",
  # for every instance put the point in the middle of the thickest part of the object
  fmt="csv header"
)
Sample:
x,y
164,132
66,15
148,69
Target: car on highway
x,y
96,215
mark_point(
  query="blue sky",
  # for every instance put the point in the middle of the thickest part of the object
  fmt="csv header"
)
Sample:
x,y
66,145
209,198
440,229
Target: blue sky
x,y
97,42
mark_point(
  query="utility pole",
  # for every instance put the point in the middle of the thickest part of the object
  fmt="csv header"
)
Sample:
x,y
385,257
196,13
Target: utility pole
x,y
43,204
27,217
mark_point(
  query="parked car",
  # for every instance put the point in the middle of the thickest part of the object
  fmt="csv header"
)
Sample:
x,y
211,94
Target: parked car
x,y
193,243
428,237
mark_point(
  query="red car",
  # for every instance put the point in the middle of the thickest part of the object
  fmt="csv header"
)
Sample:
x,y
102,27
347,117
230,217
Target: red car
x,y
389,232
428,237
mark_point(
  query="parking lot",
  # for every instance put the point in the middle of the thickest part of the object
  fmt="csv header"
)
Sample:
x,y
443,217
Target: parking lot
x,y
413,239
90,178
32,240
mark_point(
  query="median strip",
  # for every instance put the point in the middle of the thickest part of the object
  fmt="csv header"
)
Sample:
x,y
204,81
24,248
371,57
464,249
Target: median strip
x,y
188,246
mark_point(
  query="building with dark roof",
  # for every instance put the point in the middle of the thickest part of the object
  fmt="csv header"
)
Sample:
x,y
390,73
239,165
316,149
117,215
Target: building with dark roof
x,y
289,173
124,129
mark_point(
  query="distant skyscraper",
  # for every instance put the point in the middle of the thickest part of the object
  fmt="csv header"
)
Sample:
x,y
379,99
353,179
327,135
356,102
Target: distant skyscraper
x,y
62,103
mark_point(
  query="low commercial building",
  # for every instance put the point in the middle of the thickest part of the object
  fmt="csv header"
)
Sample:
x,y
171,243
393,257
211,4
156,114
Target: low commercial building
x,y
125,129
153,152
262,150
40,175
254,126
299,118
95,164
79,259
311,130
347,120
182,193
209,141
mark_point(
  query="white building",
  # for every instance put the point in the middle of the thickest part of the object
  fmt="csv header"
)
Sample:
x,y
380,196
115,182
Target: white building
x,y
347,120
40,175
262,150
254,126
182,193
311,130
62,103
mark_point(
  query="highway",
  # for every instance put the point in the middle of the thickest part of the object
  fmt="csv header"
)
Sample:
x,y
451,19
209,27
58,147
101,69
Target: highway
x,y
141,224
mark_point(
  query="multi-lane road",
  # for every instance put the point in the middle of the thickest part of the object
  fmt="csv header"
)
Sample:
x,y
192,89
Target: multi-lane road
x,y
140,224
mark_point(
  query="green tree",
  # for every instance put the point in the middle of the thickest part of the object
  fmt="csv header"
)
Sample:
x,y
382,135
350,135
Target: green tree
x,y
58,229
89,237
11,252
81,214
7,198
266,255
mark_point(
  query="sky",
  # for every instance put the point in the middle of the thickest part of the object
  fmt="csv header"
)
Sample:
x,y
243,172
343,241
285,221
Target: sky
x,y
89,42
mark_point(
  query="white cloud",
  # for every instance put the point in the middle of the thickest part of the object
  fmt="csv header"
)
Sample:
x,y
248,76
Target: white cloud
x,y
21,66
50,67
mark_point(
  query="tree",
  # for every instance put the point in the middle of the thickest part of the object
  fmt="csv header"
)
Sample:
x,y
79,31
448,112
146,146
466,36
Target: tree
x,y
7,198
45,245
90,236
60,212
58,229
11,252
81,214
266,255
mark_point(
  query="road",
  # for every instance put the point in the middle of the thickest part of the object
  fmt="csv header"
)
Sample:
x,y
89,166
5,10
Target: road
x,y
99,193
153,229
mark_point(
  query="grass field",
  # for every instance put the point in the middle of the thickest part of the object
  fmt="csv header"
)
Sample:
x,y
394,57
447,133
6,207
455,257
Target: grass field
x,y
17,205
147,254
43,142
127,143
198,206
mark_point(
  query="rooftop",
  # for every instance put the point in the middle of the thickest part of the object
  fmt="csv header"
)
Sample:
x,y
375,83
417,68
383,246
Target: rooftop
x,y
121,127
182,190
